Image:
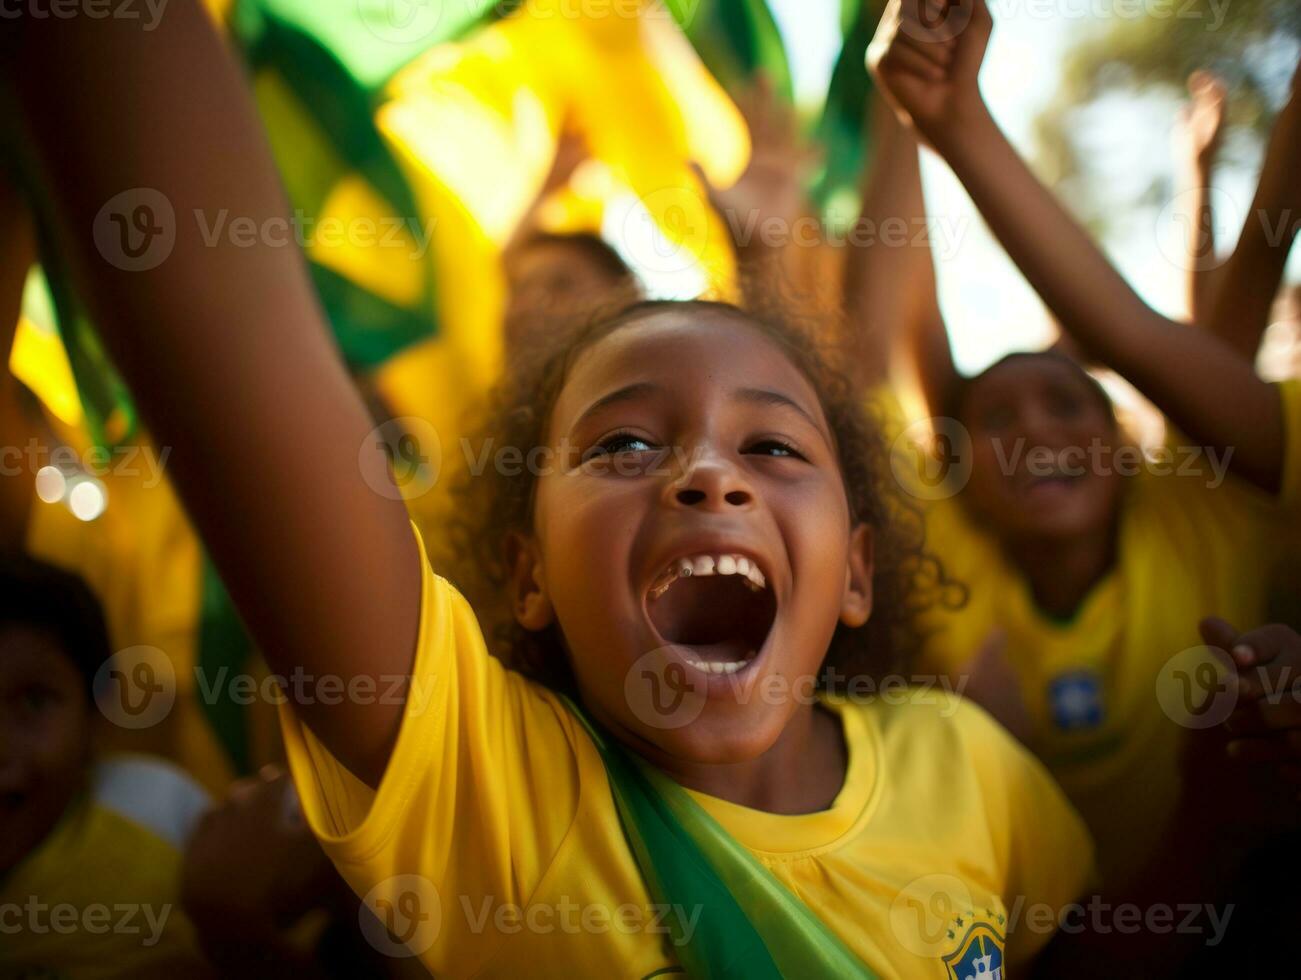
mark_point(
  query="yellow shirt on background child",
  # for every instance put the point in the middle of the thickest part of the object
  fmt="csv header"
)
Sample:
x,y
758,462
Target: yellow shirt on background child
x,y
99,897
492,847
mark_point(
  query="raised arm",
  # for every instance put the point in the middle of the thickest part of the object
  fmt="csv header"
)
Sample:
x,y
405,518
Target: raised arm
x,y
1244,289
1186,373
890,290
767,211
1199,135
142,136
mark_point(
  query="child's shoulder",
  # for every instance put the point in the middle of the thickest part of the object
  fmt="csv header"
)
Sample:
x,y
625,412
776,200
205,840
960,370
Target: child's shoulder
x,y
938,753
927,729
924,709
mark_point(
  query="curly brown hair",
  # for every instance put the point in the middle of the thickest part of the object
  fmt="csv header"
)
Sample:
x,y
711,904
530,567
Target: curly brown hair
x,y
489,506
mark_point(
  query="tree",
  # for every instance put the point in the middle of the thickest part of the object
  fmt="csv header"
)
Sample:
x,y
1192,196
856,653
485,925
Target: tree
x,y
1251,44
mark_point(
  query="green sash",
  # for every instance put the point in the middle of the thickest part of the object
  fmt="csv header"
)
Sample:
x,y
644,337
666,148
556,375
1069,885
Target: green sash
x,y
749,925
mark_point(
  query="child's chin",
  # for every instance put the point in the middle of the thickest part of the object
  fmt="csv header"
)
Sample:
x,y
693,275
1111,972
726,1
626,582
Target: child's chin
x,y
720,737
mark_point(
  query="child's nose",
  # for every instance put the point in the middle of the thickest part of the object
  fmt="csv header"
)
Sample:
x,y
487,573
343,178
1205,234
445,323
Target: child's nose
x,y
1040,428
711,484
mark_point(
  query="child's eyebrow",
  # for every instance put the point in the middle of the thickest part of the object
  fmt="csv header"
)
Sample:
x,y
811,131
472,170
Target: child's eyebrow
x,y
766,396
761,396
626,393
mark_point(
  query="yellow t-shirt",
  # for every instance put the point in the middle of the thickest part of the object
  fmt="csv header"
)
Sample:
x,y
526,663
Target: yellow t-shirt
x,y
1109,692
493,848
99,897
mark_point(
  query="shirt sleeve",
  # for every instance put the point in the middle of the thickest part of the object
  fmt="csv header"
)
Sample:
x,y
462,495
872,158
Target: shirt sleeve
x,y
478,795
1041,843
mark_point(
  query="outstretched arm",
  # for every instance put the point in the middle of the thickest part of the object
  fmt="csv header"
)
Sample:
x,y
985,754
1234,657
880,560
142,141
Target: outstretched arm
x,y
1243,294
890,290
224,347
933,84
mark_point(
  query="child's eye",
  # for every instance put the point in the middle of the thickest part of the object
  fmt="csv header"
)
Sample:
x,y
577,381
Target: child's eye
x,y
997,418
1064,407
620,442
37,699
773,447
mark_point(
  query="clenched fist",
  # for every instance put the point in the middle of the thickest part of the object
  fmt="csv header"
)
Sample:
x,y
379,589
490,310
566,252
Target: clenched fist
x,y
925,57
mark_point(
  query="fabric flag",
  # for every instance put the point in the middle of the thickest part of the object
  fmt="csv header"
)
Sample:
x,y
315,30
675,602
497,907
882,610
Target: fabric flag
x,y
739,39
736,39
750,924
318,70
843,128
474,126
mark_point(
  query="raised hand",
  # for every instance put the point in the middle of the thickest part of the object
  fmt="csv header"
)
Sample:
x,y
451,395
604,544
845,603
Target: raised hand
x,y
1202,118
781,160
1266,721
926,56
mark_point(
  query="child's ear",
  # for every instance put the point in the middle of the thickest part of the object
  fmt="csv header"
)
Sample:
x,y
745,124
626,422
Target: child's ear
x,y
856,605
528,591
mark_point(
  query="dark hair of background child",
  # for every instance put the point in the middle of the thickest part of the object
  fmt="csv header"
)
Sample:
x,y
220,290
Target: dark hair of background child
x,y
38,595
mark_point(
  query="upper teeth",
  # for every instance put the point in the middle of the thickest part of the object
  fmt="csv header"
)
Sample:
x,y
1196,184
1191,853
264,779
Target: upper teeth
x,y
717,667
720,565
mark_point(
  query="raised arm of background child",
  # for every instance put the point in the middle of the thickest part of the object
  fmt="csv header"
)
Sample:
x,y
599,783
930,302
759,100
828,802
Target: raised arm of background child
x,y
1245,288
223,345
933,83
1198,137
890,291
17,253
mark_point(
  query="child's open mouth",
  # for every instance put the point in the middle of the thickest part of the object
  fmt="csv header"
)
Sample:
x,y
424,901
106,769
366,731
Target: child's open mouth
x,y
716,609
1050,486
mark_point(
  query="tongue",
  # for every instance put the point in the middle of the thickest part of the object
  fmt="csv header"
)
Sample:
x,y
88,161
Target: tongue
x,y
718,653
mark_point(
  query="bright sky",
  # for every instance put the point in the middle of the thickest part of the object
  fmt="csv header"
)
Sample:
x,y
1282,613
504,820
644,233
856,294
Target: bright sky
x,y
989,307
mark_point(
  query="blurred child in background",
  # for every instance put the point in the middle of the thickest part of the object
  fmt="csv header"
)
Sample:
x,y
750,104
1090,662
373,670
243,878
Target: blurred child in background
x,y
90,848
554,279
1099,580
